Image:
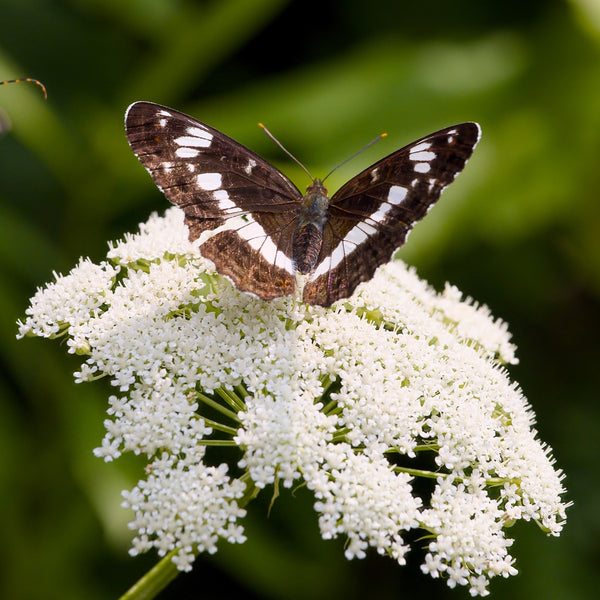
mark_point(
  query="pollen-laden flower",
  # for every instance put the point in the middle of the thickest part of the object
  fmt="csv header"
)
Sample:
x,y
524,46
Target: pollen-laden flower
x,y
395,385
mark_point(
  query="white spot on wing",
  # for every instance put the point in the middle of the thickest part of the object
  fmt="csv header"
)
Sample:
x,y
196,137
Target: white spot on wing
x,y
396,194
188,140
199,131
209,181
422,167
421,156
184,152
453,133
196,138
251,164
420,147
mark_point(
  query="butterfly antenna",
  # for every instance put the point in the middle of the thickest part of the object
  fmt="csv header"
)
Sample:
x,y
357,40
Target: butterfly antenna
x,y
31,81
286,151
381,135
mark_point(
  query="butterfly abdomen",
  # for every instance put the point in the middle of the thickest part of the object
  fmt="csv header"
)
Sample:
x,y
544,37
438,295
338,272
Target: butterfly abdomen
x,y
308,237
307,245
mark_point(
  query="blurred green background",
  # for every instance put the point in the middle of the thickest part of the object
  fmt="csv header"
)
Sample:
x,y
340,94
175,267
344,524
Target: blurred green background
x,y
519,231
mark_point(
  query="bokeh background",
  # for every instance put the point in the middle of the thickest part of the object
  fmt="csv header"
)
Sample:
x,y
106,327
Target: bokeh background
x,y
519,231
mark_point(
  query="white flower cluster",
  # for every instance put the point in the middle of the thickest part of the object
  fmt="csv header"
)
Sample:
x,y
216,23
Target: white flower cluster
x,y
331,397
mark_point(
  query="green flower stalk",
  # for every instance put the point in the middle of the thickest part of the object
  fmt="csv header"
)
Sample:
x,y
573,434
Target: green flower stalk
x,y
329,398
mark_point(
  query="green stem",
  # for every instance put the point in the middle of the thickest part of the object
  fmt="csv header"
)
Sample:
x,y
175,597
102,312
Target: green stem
x,y
426,447
242,391
340,435
330,407
154,581
220,443
220,427
250,493
231,398
419,472
218,406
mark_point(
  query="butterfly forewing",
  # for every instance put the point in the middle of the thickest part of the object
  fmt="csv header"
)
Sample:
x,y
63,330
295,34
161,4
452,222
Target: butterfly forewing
x,y
217,181
371,215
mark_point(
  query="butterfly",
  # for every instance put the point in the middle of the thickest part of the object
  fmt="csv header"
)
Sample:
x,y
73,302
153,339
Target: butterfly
x,y
266,231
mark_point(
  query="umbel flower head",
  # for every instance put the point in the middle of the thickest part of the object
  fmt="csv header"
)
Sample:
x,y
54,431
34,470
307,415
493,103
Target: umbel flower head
x,y
346,401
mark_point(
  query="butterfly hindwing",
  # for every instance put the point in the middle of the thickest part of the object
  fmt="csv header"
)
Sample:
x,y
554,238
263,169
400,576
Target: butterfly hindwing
x,y
371,215
219,183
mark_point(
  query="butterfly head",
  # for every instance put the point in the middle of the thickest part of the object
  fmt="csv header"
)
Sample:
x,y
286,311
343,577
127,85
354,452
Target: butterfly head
x,y
316,188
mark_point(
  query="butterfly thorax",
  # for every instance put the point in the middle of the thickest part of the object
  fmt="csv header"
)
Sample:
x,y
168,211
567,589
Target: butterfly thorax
x,y
308,236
